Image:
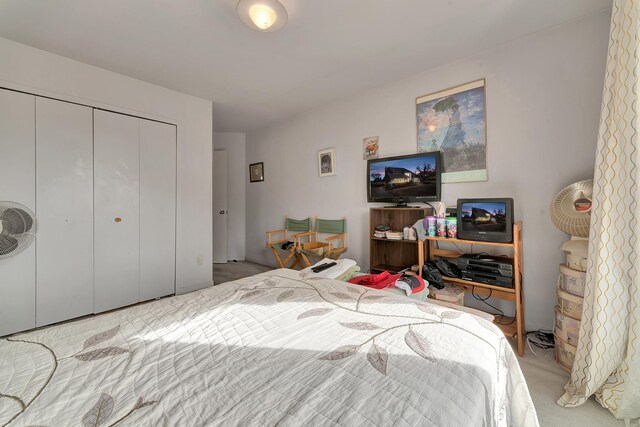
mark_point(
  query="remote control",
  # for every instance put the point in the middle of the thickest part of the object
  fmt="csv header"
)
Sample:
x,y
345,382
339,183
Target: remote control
x,y
323,267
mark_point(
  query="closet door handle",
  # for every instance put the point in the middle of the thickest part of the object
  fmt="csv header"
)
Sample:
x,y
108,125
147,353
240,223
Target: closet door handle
x,y
117,219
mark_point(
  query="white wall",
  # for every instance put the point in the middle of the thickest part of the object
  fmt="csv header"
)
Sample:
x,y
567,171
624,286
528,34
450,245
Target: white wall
x,y
237,170
543,104
42,73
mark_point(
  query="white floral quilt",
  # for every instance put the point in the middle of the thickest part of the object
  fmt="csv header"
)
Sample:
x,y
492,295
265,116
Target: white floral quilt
x,y
272,349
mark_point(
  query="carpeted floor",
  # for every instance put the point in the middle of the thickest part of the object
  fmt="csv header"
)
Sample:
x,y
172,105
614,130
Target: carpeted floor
x,y
544,376
546,380
236,270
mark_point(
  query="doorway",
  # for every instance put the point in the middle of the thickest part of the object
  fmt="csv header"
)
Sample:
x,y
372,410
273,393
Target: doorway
x,y
220,206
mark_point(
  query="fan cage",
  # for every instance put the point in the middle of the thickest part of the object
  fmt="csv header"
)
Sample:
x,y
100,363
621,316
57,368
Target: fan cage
x,y
564,214
18,227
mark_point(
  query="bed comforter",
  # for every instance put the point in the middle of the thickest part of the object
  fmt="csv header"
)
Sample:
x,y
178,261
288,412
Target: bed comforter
x,y
271,349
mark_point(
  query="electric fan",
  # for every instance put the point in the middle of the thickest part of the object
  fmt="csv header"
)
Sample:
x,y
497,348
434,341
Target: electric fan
x,y
571,208
571,212
17,228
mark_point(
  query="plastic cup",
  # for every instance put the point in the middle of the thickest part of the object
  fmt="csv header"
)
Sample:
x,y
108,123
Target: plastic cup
x,y
452,228
441,227
431,225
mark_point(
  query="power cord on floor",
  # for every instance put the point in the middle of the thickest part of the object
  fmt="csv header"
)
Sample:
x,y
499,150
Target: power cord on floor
x,y
484,300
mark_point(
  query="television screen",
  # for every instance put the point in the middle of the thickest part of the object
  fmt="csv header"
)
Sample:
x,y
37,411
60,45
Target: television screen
x,y
411,178
484,216
488,220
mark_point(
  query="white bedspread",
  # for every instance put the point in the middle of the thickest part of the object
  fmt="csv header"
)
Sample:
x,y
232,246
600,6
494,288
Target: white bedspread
x,y
265,350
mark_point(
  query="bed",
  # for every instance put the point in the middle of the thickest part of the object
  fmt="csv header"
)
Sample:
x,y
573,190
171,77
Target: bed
x,y
271,349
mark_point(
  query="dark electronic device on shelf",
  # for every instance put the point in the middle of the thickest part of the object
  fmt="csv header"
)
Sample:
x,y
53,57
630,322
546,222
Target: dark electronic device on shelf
x,y
487,269
488,279
402,179
486,220
486,263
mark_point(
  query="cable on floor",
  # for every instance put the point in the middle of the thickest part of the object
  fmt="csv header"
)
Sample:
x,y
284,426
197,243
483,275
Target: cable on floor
x,y
542,339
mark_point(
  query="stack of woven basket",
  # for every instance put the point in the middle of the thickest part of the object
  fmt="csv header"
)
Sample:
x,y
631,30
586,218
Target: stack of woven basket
x,y
569,309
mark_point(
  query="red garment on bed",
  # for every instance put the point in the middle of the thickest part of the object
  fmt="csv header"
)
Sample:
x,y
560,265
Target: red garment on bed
x,y
376,281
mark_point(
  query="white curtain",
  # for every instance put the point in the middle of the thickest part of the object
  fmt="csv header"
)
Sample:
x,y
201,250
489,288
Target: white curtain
x,y
607,361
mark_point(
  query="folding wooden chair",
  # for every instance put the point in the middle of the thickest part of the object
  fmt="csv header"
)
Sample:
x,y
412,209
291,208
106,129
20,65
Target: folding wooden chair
x,y
332,247
290,226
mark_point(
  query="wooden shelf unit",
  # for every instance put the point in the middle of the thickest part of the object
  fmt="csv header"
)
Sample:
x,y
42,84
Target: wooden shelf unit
x,y
395,255
515,294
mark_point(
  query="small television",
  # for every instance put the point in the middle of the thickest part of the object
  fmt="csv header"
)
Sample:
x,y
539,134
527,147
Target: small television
x,y
486,220
402,179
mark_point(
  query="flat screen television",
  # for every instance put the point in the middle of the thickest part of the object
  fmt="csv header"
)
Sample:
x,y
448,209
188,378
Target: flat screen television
x,y
486,220
402,179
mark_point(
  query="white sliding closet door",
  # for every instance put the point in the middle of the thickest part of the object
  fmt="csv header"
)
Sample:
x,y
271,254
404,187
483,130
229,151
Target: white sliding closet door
x,y
157,209
117,210
17,184
64,195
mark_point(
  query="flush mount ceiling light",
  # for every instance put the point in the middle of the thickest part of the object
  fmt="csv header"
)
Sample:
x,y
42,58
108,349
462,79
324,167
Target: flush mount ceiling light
x,y
262,15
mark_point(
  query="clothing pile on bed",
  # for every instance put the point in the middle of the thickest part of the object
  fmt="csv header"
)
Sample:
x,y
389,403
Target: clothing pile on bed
x,y
347,270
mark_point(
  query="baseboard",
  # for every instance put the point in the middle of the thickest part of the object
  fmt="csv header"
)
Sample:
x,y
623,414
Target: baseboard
x,y
195,287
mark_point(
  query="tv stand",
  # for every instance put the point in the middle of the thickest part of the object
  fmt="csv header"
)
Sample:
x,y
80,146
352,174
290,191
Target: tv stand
x,y
395,255
511,326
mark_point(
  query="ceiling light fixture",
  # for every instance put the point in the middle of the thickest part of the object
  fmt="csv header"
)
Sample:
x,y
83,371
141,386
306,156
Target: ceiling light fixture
x,y
262,15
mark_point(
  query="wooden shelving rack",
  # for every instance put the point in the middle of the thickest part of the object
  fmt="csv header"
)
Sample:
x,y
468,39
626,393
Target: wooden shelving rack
x,y
395,255
510,326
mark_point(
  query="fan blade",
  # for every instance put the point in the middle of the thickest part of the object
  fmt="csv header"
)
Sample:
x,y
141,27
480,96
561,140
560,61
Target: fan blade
x,y
16,221
7,244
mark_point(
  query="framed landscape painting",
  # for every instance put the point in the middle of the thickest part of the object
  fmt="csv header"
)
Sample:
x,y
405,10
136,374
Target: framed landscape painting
x,y
453,122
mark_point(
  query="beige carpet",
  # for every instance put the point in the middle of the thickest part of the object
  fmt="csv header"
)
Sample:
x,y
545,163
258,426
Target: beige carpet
x,y
546,380
544,376
236,270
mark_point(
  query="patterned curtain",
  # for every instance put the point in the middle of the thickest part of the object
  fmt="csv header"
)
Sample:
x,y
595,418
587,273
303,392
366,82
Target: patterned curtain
x,y
607,361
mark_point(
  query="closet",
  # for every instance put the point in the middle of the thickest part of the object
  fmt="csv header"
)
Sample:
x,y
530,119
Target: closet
x,y
135,209
17,183
103,187
64,210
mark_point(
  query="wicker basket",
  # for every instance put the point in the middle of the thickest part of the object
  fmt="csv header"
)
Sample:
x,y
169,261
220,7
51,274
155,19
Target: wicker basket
x,y
572,281
567,328
565,354
569,304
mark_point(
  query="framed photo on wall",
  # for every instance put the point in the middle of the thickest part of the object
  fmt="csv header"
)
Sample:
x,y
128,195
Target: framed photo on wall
x,y
327,162
256,172
453,122
370,148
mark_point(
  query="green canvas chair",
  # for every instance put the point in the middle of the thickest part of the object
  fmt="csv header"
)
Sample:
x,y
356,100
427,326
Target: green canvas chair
x,y
332,246
283,235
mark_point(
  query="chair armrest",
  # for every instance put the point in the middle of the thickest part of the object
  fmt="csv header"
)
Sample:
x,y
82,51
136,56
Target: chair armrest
x,y
306,233
282,230
337,236
298,237
270,232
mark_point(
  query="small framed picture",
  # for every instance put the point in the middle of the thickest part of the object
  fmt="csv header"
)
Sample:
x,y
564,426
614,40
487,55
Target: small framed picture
x,y
370,148
327,162
256,172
